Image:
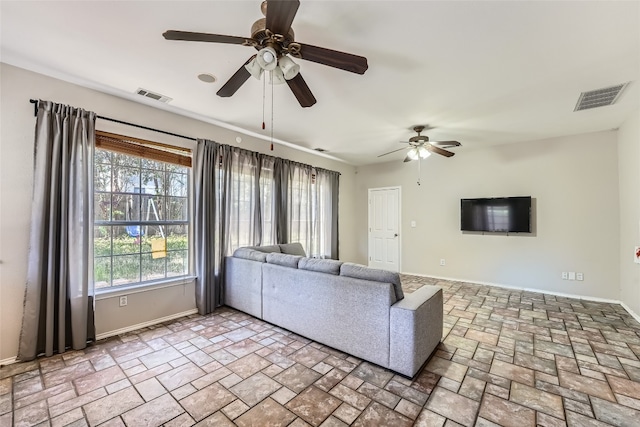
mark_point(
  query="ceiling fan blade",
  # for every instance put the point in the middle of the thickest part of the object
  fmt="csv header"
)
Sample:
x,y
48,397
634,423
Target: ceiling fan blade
x,y
280,14
446,144
408,159
394,151
301,91
333,58
237,80
204,37
437,150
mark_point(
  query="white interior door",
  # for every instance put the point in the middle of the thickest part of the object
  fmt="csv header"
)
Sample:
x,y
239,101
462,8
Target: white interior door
x,y
384,228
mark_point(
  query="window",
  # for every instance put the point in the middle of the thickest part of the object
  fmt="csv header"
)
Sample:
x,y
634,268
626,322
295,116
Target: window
x,y
141,212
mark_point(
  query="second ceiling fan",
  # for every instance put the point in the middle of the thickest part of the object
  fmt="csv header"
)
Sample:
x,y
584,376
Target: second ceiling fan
x,y
421,147
274,39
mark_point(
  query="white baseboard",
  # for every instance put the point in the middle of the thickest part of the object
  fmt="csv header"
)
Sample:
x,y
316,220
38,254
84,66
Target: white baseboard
x,y
539,291
144,324
8,361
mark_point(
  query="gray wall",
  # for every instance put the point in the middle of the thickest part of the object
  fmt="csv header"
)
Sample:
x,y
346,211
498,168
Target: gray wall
x,y
16,180
629,170
574,181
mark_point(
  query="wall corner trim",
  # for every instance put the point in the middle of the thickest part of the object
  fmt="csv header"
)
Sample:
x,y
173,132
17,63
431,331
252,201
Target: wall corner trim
x,y
631,312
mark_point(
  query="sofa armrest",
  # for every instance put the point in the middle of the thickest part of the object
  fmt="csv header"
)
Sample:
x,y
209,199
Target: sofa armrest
x,y
416,329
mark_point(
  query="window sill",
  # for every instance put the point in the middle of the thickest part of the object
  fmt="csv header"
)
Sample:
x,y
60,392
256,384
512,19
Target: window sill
x,y
144,287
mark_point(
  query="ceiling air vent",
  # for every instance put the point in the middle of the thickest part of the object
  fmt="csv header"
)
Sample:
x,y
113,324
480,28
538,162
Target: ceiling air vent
x,y
153,95
599,97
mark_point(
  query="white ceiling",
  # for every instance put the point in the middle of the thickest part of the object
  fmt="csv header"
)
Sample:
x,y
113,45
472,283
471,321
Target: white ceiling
x,y
480,72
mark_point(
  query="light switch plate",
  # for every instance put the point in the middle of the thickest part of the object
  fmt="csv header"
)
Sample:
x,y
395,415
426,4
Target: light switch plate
x,y
572,275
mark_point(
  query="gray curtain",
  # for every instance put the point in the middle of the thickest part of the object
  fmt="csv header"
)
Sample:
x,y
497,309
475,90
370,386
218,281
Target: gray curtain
x,y
207,241
240,190
58,302
243,198
329,181
302,223
281,199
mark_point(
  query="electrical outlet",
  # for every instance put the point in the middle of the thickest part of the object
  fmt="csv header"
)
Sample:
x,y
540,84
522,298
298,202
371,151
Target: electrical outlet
x,y
572,275
442,261
579,276
565,275
123,301
413,224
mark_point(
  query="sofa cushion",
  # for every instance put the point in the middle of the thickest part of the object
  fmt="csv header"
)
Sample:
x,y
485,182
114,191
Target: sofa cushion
x,y
358,271
267,249
330,266
292,249
251,254
283,259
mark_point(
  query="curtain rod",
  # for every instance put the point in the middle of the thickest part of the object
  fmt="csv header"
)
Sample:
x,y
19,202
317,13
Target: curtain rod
x,y
35,113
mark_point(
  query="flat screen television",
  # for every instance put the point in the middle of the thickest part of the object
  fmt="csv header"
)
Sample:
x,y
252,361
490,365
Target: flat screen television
x,y
498,214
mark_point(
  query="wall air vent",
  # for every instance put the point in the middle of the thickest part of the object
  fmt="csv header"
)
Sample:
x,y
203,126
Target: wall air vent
x,y
599,97
153,95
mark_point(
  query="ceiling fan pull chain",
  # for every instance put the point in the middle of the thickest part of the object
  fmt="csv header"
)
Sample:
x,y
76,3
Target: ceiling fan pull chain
x,y
263,102
419,170
272,111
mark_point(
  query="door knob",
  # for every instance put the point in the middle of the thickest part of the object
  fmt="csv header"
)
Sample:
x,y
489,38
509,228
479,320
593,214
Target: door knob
x,y
395,235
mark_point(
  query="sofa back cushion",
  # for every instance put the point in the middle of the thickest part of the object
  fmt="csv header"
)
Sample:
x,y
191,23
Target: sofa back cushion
x,y
250,254
283,259
292,249
330,266
358,271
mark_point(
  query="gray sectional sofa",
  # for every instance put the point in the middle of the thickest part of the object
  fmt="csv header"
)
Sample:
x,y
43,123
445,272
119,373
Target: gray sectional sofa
x,y
350,307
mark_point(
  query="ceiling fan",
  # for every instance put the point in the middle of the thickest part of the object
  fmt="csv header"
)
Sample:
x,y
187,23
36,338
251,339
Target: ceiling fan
x,y
421,147
273,37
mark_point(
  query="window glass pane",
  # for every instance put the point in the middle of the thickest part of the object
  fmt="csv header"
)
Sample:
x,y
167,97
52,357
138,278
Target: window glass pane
x,y
178,237
102,206
126,180
125,207
152,164
177,263
102,156
102,240
102,177
126,240
152,208
125,160
126,269
153,268
152,181
102,272
177,208
177,184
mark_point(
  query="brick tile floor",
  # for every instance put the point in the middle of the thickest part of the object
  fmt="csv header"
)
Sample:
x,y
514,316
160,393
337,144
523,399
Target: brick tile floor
x,y
508,358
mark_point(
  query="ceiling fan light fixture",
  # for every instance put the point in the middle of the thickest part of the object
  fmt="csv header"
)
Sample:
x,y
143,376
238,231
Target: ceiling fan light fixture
x,y
277,77
289,68
267,58
423,152
254,68
413,154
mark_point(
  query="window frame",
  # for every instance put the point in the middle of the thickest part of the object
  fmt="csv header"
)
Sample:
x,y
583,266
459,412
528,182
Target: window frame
x,y
152,151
